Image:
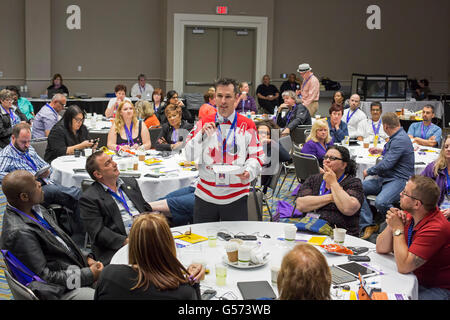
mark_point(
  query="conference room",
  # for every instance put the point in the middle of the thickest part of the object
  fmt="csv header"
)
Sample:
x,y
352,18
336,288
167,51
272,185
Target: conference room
x,y
236,142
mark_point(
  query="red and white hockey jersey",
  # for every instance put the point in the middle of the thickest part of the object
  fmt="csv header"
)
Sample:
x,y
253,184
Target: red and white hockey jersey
x,y
242,149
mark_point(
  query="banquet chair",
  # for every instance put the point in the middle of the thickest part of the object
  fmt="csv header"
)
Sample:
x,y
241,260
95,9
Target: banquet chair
x,y
154,134
305,166
254,203
39,145
286,143
103,138
18,290
86,183
300,133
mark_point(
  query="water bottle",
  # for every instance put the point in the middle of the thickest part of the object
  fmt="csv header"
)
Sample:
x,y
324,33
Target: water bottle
x,y
275,111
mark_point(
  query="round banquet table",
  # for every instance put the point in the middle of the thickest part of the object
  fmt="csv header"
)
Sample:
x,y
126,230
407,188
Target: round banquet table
x,y
365,161
390,281
175,177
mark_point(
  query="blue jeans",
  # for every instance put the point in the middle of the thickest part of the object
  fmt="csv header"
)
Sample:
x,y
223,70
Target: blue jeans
x,y
433,293
387,194
181,205
67,197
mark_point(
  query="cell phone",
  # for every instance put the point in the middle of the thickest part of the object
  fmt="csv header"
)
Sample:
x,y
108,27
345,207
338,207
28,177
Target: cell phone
x,y
39,173
224,236
208,294
246,237
96,140
358,258
358,250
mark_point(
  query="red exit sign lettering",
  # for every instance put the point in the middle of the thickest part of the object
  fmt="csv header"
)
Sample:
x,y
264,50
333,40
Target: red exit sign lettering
x,y
221,10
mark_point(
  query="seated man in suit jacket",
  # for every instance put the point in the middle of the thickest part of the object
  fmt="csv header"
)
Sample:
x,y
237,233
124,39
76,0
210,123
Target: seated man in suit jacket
x,y
109,205
32,236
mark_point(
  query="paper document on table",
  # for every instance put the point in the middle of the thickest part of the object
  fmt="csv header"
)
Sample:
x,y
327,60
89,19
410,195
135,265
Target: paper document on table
x,y
315,240
191,238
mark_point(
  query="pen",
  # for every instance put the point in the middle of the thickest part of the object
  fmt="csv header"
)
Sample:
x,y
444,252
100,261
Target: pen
x,y
373,282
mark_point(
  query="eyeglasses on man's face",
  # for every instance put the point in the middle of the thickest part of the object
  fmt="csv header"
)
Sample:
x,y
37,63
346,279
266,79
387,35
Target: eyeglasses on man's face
x,y
403,193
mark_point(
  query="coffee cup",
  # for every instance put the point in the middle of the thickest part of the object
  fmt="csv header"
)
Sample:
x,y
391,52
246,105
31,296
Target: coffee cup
x,y
87,152
232,252
290,232
244,255
122,165
339,235
77,153
274,270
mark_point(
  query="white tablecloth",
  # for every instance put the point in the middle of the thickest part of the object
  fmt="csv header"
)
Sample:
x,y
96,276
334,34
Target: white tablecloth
x,y
152,188
365,161
391,281
391,106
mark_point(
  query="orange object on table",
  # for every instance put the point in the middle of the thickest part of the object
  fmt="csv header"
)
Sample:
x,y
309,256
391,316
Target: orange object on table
x,y
336,248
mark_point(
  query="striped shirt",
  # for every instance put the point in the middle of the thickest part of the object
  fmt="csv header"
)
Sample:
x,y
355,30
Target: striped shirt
x,y
247,153
310,90
12,159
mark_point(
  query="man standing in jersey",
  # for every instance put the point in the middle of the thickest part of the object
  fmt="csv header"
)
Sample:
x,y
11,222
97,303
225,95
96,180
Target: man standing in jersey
x,y
217,142
310,89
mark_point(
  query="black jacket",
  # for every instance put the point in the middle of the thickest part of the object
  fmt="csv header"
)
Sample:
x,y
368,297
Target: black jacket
x,y
40,251
166,133
102,218
160,114
300,116
60,138
6,128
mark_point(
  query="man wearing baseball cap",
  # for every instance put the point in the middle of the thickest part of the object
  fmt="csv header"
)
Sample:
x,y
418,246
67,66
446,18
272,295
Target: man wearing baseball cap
x,y
310,88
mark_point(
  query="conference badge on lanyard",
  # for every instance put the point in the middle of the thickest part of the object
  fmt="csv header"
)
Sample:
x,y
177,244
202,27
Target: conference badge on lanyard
x,y
222,179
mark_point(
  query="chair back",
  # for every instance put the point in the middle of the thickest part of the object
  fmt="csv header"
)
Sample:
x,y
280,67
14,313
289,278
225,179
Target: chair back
x,y
300,133
255,204
18,290
103,136
286,143
39,145
305,165
86,183
154,134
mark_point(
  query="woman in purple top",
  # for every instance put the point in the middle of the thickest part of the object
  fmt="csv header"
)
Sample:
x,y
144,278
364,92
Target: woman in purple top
x,y
438,171
318,141
245,102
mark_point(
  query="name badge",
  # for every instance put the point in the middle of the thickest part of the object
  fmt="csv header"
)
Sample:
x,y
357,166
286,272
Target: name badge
x,y
222,180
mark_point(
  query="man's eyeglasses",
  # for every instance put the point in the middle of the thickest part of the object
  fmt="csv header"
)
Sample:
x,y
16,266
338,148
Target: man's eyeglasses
x,y
403,193
331,158
63,104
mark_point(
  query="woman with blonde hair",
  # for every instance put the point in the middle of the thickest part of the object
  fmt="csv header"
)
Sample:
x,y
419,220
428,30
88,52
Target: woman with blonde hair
x,y
438,170
304,275
318,140
127,132
153,272
146,112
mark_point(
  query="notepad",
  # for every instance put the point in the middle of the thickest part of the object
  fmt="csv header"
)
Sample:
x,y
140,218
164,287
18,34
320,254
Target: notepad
x,y
191,238
314,240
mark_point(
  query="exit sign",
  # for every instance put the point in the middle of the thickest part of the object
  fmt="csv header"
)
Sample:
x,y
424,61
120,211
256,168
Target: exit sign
x,y
221,10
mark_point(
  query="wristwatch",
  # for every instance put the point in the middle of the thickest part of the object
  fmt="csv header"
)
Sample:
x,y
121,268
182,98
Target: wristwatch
x,y
398,232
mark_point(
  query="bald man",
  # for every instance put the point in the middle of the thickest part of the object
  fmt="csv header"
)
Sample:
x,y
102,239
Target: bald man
x,y
48,115
30,234
353,116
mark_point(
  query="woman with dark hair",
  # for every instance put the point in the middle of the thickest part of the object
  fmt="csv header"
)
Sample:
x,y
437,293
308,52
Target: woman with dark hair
x,y
174,132
338,99
265,128
422,91
22,103
336,195
157,99
57,87
153,272
172,98
68,135
338,128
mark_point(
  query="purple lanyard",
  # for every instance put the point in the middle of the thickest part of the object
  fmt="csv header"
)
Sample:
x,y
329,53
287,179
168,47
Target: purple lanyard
x,y
121,198
290,114
52,109
25,157
349,116
140,89
321,146
174,136
424,131
40,221
129,134
322,185
378,127
11,114
243,105
219,135
410,231
306,81
212,105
